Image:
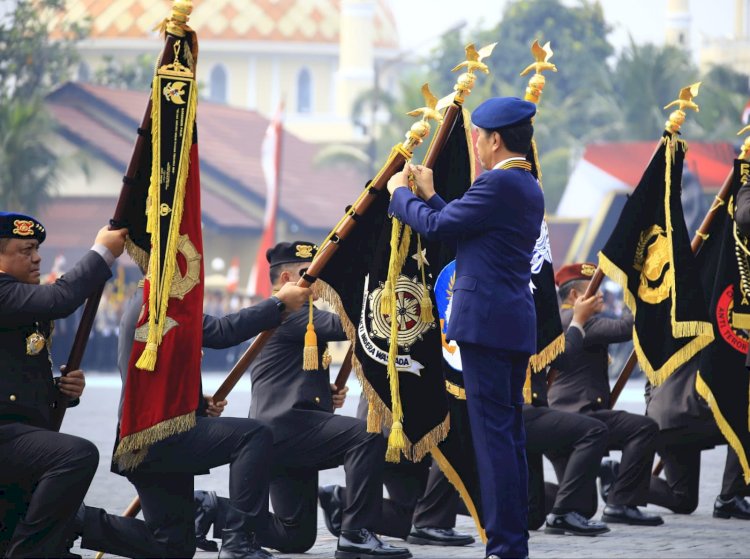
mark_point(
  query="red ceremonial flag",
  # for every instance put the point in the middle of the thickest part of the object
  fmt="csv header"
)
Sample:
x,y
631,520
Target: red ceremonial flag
x,y
163,382
746,114
259,282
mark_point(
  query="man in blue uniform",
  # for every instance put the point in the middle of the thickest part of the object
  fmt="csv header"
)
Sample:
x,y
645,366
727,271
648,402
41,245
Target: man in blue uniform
x,y
58,466
495,225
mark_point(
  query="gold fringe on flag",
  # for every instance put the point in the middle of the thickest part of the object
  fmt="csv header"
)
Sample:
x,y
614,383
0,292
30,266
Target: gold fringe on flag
x,y
456,481
133,449
702,332
310,354
724,427
374,419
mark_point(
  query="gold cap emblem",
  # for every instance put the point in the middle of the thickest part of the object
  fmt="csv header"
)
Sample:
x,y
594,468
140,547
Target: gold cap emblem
x,y
304,251
588,269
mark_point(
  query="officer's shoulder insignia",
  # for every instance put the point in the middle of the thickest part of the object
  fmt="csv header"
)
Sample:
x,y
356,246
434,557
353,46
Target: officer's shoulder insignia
x,y
304,251
23,227
588,270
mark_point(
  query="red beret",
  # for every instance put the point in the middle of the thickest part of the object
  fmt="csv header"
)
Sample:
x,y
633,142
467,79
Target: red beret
x,y
572,272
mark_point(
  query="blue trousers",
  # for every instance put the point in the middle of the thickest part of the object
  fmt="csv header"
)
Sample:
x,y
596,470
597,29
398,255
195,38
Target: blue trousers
x,y
494,395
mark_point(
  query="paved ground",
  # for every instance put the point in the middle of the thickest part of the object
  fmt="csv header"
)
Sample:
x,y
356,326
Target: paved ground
x,y
696,535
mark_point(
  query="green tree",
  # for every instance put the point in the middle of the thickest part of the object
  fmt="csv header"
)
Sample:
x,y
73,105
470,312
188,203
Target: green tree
x,y
647,77
32,60
137,74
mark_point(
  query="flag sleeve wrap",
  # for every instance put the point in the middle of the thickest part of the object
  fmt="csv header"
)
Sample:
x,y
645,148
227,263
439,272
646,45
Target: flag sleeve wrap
x,y
163,381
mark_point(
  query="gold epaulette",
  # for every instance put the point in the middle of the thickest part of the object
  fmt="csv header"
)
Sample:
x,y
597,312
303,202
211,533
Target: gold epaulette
x,y
525,165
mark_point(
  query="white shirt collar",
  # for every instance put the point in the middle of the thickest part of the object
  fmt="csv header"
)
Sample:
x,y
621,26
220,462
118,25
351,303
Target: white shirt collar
x,y
504,161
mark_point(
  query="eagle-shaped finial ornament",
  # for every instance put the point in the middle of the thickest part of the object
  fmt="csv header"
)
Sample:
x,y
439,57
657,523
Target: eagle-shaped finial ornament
x,y
685,101
420,129
541,55
472,63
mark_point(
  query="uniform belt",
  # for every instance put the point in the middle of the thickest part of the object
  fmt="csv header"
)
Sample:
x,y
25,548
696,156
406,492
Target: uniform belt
x,y
455,390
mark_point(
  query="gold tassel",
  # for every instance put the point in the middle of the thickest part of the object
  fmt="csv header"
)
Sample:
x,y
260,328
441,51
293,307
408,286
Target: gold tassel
x,y
374,419
527,386
396,443
426,305
387,299
310,354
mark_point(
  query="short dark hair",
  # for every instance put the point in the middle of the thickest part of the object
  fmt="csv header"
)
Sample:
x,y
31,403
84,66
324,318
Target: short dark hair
x,y
277,270
568,286
517,138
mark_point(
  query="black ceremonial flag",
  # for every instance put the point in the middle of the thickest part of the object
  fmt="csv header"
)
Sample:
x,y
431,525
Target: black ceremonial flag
x,y
453,174
723,380
550,339
360,290
649,255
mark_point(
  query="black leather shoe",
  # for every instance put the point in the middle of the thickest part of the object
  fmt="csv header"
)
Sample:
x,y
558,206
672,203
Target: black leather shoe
x,y
206,508
362,544
238,544
438,536
608,472
736,507
626,514
574,524
331,501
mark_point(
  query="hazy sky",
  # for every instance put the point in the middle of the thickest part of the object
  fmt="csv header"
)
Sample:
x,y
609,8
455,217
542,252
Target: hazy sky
x,y
643,19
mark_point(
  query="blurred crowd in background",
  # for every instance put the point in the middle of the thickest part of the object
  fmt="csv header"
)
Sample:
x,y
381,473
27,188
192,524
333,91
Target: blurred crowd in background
x,y
101,350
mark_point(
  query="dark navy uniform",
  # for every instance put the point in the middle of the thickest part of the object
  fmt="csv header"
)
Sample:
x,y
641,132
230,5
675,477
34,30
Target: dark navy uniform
x,y
59,467
495,226
164,480
687,427
309,437
574,444
583,387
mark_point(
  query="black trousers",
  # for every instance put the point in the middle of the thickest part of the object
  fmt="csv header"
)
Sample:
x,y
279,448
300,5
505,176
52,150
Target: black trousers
x,y
575,444
165,486
636,436
294,485
58,468
680,449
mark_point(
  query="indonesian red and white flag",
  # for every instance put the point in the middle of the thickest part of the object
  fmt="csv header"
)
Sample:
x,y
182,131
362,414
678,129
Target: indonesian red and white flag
x,y
259,282
233,275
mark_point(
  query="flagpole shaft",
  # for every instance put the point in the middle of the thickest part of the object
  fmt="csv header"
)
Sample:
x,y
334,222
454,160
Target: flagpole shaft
x,y
345,370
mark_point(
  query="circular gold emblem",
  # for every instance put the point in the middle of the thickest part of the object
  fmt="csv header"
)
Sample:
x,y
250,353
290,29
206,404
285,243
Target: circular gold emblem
x,y
410,326
657,275
182,284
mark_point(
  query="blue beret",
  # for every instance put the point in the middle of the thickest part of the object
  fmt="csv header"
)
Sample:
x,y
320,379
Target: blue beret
x,y
19,226
501,112
288,253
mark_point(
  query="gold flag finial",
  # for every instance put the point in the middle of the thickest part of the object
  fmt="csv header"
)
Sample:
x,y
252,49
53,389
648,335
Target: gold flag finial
x,y
472,63
745,149
685,101
541,54
181,10
420,129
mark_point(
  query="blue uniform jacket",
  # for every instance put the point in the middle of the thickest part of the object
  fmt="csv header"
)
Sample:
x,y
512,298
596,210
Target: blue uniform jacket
x,y
495,226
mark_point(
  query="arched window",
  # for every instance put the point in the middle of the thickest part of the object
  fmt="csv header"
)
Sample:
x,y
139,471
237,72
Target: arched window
x,y
304,91
84,72
218,84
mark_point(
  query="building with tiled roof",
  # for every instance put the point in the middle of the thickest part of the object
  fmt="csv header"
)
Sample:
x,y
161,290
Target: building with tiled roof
x,y
608,172
315,55
97,125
